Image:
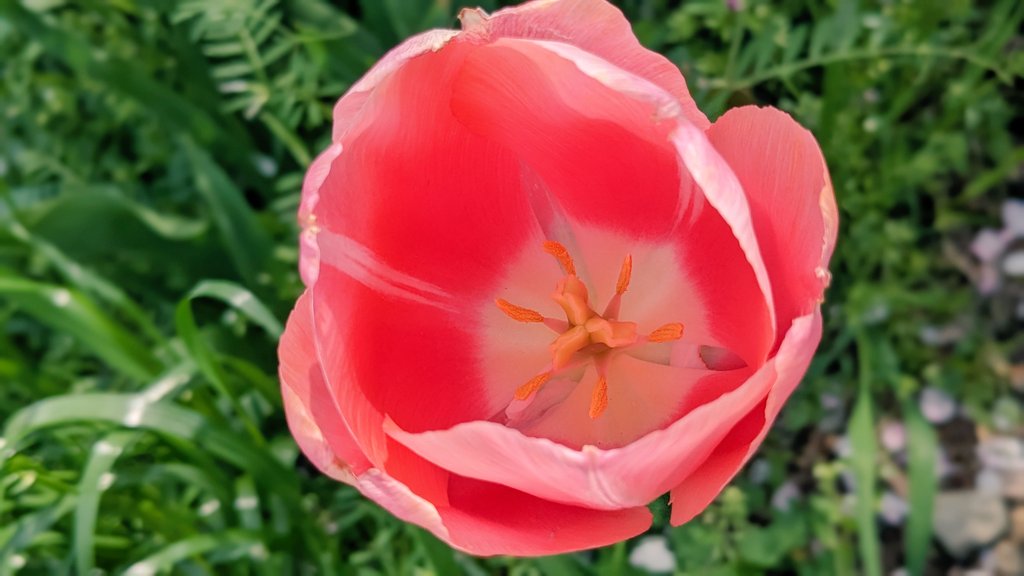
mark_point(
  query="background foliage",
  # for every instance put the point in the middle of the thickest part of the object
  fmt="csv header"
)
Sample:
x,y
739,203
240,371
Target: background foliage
x,y
151,154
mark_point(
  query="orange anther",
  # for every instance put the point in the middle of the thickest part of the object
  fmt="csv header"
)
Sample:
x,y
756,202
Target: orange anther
x,y
667,333
560,253
519,313
624,274
599,398
527,390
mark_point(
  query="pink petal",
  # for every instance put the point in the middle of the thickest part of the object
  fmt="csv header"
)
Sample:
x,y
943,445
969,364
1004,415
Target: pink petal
x,y
330,448
791,201
309,250
594,26
475,517
787,369
346,111
632,475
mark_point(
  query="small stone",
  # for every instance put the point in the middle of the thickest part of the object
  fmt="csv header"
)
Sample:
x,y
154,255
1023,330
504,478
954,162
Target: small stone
x,y
1013,486
937,406
1002,453
988,279
760,471
892,508
1013,264
1017,524
653,555
841,447
966,521
1013,216
941,335
785,495
989,481
1009,558
893,436
988,245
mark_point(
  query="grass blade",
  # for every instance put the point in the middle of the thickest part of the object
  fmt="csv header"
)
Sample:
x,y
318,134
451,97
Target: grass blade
x,y
228,544
243,237
865,450
922,453
135,411
242,300
19,535
70,311
101,460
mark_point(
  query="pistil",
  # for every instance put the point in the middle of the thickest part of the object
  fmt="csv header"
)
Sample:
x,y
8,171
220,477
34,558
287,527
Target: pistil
x,y
586,335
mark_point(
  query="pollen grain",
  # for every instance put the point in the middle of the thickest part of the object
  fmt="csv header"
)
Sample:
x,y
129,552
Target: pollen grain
x,y
599,398
534,384
666,333
560,253
624,275
518,313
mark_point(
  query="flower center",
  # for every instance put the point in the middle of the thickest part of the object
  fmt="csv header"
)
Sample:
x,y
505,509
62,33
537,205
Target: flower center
x,y
585,336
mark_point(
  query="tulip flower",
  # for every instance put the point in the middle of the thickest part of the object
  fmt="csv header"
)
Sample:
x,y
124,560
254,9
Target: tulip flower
x,y
543,290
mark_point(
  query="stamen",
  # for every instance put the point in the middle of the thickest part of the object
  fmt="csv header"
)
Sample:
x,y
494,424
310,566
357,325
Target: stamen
x,y
586,336
624,274
562,255
599,398
519,313
527,390
666,333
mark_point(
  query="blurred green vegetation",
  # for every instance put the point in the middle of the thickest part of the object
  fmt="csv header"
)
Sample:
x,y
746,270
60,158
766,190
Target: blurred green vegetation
x,y
151,155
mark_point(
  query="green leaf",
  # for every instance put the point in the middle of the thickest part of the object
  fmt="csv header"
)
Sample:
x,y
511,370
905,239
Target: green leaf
x,y
68,310
439,554
240,231
122,76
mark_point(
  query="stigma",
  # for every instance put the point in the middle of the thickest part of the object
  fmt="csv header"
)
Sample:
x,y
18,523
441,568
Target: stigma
x,y
585,335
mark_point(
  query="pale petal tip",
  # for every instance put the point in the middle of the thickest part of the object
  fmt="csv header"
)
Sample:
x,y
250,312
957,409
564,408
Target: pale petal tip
x,y
473,20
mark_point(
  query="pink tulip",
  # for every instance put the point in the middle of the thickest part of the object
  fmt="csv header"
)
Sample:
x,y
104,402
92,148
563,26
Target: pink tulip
x,y
542,289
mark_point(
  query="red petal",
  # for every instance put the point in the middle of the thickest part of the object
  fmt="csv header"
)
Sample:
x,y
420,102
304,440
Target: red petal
x,y
383,355
490,519
487,519
597,150
416,195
